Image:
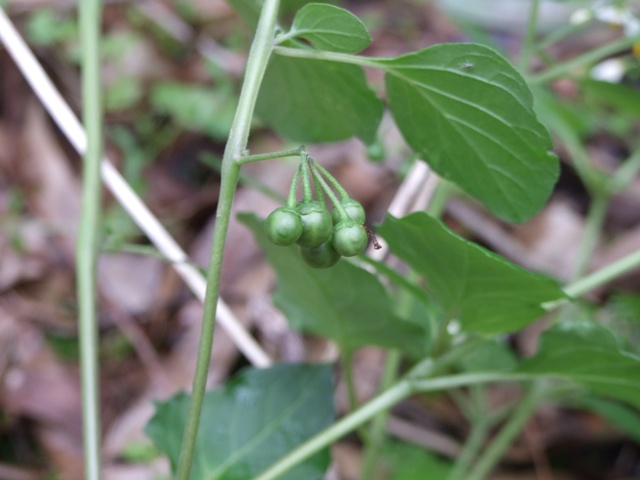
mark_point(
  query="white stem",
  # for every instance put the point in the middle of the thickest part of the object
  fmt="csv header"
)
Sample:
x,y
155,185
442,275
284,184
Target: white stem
x,y
131,202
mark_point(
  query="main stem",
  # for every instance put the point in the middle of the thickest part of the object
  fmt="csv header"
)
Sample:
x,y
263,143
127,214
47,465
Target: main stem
x,y
259,54
89,232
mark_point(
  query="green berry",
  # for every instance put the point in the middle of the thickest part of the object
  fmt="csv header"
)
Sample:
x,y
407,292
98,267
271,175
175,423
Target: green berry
x,y
316,224
324,256
283,226
354,209
349,238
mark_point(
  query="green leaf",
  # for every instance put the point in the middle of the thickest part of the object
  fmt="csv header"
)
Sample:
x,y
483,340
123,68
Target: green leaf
x,y
588,353
480,289
344,303
331,28
469,113
317,101
259,416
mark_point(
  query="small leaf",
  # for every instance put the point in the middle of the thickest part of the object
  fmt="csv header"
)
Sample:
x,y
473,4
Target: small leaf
x,y
482,290
469,113
344,303
317,101
331,28
589,354
259,416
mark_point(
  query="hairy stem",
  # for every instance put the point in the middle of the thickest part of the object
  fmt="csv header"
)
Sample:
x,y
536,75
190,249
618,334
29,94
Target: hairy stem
x,y
261,49
89,233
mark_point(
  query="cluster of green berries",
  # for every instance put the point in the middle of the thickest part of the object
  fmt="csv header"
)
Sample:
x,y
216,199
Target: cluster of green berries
x,y
323,237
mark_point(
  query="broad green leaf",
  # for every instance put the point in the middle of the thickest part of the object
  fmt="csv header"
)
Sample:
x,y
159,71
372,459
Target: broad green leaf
x,y
331,28
469,113
480,289
588,353
344,303
258,417
625,418
317,101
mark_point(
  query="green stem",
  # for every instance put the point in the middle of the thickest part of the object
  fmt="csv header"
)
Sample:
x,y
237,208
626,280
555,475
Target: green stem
x,y
379,423
591,235
587,58
626,173
306,184
472,446
249,181
329,193
268,156
441,196
509,431
560,33
89,231
596,279
329,56
334,182
398,392
528,43
383,402
293,189
347,367
588,174
604,275
465,379
259,54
